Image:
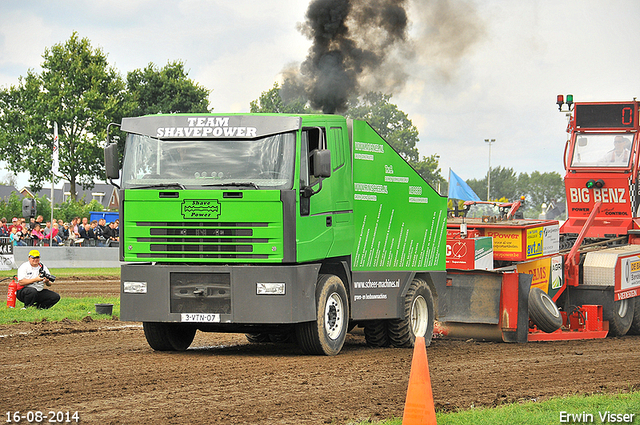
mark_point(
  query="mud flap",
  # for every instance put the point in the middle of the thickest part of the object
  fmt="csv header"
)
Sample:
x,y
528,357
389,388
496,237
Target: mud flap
x,y
515,307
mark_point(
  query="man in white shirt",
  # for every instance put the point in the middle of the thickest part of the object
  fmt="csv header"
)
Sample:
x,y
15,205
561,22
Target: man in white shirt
x,y
620,153
31,276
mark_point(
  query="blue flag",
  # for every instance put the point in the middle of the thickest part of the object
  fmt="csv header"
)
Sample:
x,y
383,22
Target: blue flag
x,y
459,189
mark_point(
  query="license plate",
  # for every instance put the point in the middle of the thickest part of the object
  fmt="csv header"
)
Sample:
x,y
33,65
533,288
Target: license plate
x,y
200,317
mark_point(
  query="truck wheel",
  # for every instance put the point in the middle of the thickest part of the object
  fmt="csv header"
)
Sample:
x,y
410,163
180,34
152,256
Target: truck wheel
x,y
327,334
635,323
543,312
376,333
418,318
257,338
168,336
620,317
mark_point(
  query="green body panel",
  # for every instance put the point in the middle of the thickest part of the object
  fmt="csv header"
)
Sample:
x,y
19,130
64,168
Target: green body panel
x,y
400,220
315,239
203,226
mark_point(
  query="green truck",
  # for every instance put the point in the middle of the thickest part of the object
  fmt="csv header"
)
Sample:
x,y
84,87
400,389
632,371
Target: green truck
x,y
278,226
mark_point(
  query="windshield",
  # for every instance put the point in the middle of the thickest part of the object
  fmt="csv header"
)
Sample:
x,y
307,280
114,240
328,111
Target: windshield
x,y
264,163
602,150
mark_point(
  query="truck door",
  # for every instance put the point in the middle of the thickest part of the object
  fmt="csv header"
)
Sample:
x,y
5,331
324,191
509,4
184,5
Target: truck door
x,y
314,228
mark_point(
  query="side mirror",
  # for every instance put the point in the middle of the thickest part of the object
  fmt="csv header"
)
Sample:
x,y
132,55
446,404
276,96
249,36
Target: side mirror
x,y
321,163
111,162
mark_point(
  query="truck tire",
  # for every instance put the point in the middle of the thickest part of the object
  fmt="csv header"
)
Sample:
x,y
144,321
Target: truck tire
x,y
168,336
418,317
543,312
327,334
376,333
635,323
620,317
257,338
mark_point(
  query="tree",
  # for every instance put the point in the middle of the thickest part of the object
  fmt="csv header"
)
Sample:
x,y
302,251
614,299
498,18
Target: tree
x,y
390,122
504,184
167,90
397,129
77,90
272,101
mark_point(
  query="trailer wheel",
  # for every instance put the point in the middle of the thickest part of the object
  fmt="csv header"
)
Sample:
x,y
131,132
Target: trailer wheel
x,y
635,323
376,333
620,317
543,312
168,336
418,317
327,334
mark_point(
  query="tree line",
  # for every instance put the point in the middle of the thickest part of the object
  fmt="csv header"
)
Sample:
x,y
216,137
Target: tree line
x,y
82,93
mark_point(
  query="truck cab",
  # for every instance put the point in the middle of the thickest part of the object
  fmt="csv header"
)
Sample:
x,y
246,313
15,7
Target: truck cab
x,y
601,162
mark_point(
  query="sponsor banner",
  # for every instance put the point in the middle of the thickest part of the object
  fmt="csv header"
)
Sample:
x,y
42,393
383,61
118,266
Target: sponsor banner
x,y
540,270
506,242
470,253
551,239
629,285
534,242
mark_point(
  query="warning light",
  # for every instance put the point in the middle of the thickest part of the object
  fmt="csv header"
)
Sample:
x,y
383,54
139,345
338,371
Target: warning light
x,y
593,183
569,99
560,101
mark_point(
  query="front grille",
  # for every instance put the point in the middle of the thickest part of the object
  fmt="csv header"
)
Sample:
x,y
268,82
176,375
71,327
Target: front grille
x,y
206,240
200,292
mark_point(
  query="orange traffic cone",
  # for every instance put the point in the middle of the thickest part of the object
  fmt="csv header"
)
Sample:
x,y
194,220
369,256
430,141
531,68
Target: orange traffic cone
x,y
418,408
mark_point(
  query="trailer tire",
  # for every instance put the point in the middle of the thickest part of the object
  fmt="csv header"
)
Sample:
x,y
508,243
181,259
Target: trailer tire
x,y
635,323
326,335
376,333
168,336
543,312
418,316
620,317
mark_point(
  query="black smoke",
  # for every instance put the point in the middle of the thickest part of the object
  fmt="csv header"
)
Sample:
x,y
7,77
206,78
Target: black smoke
x,y
364,45
350,38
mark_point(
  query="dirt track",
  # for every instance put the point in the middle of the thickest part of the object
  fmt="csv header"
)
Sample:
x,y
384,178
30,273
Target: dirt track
x,y
106,371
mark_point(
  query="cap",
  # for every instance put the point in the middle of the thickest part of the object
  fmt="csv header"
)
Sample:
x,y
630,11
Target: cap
x,y
14,219
34,253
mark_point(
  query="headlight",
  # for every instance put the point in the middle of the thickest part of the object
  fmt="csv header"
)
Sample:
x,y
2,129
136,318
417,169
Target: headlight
x,y
134,287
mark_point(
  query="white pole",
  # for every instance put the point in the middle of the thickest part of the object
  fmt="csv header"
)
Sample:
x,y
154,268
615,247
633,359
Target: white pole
x,y
489,176
54,169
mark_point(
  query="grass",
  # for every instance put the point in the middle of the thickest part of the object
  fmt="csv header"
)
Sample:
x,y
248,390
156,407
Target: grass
x,y
67,308
546,412
99,271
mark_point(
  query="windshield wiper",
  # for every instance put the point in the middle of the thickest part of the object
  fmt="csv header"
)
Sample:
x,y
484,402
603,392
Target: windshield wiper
x,y
235,184
161,186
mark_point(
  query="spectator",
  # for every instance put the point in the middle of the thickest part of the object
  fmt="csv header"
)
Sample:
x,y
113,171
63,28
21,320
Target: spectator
x,y
63,231
85,220
74,228
51,233
110,233
31,225
36,235
102,224
15,223
15,237
4,230
31,278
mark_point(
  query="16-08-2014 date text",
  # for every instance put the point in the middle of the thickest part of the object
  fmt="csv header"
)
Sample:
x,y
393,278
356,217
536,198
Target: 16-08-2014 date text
x,y
36,416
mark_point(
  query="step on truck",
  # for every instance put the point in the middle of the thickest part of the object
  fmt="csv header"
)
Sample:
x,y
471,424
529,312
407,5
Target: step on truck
x,y
281,227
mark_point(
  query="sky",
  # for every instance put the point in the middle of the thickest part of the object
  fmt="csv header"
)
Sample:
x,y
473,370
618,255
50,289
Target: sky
x,y
487,69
